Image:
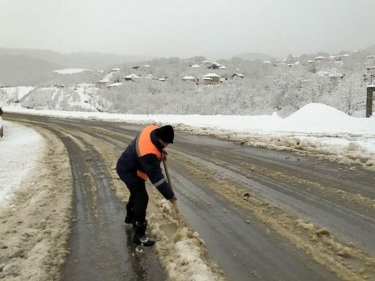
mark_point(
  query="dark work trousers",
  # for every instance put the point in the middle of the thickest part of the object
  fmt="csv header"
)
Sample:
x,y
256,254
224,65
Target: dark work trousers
x,y
138,201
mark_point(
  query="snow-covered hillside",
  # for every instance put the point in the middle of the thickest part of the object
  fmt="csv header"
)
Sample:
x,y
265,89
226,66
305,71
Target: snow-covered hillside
x,y
243,87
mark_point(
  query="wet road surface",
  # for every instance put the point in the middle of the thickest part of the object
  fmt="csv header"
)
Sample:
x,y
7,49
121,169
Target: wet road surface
x,y
255,239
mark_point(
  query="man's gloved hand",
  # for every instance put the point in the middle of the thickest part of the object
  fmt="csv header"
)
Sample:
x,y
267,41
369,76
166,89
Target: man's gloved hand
x,y
164,155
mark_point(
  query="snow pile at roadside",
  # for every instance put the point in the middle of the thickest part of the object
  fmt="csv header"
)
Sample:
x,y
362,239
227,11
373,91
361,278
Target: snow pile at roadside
x,y
20,148
324,119
35,215
180,249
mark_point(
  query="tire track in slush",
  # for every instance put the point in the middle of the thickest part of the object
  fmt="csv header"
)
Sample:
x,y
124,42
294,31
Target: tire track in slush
x,y
245,251
324,212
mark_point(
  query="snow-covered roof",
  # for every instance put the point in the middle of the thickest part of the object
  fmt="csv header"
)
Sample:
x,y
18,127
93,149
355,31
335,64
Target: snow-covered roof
x,y
188,78
339,75
114,85
132,76
212,75
195,65
266,61
221,67
115,69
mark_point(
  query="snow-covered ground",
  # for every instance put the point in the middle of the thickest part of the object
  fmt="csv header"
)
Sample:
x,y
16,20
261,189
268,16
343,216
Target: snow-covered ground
x,y
316,128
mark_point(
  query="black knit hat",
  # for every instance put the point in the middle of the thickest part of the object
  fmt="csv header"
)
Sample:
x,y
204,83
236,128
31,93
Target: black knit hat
x,y
165,133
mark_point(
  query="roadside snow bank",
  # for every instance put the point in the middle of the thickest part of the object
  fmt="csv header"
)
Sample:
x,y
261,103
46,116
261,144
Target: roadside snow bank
x,y
180,249
20,151
324,119
35,218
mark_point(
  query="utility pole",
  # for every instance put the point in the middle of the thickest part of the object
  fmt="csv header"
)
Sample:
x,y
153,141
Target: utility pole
x,y
370,94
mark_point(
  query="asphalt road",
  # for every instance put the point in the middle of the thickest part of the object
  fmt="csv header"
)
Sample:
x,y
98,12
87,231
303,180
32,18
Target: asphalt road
x,y
264,215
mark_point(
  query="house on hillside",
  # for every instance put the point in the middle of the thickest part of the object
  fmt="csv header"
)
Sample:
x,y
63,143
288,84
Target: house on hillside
x,y
189,78
132,77
237,75
208,63
214,66
320,58
211,79
101,83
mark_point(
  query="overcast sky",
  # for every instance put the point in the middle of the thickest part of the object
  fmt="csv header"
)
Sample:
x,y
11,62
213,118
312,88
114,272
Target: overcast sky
x,y
212,28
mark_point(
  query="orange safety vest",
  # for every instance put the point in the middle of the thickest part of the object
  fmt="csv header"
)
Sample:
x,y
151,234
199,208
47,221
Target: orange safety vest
x,y
145,146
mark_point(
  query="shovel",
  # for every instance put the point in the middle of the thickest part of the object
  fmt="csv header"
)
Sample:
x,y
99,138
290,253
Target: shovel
x,y
177,211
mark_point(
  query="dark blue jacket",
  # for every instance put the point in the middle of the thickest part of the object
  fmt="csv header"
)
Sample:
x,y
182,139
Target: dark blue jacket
x,y
129,163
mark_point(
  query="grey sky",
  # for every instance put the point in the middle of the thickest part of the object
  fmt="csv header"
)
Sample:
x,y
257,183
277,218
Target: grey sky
x,y
213,28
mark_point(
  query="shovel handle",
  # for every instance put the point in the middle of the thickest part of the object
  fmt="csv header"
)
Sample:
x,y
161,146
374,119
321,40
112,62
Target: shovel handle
x,y
167,173
177,211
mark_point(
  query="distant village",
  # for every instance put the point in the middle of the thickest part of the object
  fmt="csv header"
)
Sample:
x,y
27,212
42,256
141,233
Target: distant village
x,y
116,77
207,79
216,73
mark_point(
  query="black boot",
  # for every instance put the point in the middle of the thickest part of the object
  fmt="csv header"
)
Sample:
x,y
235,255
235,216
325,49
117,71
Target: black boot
x,y
140,234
